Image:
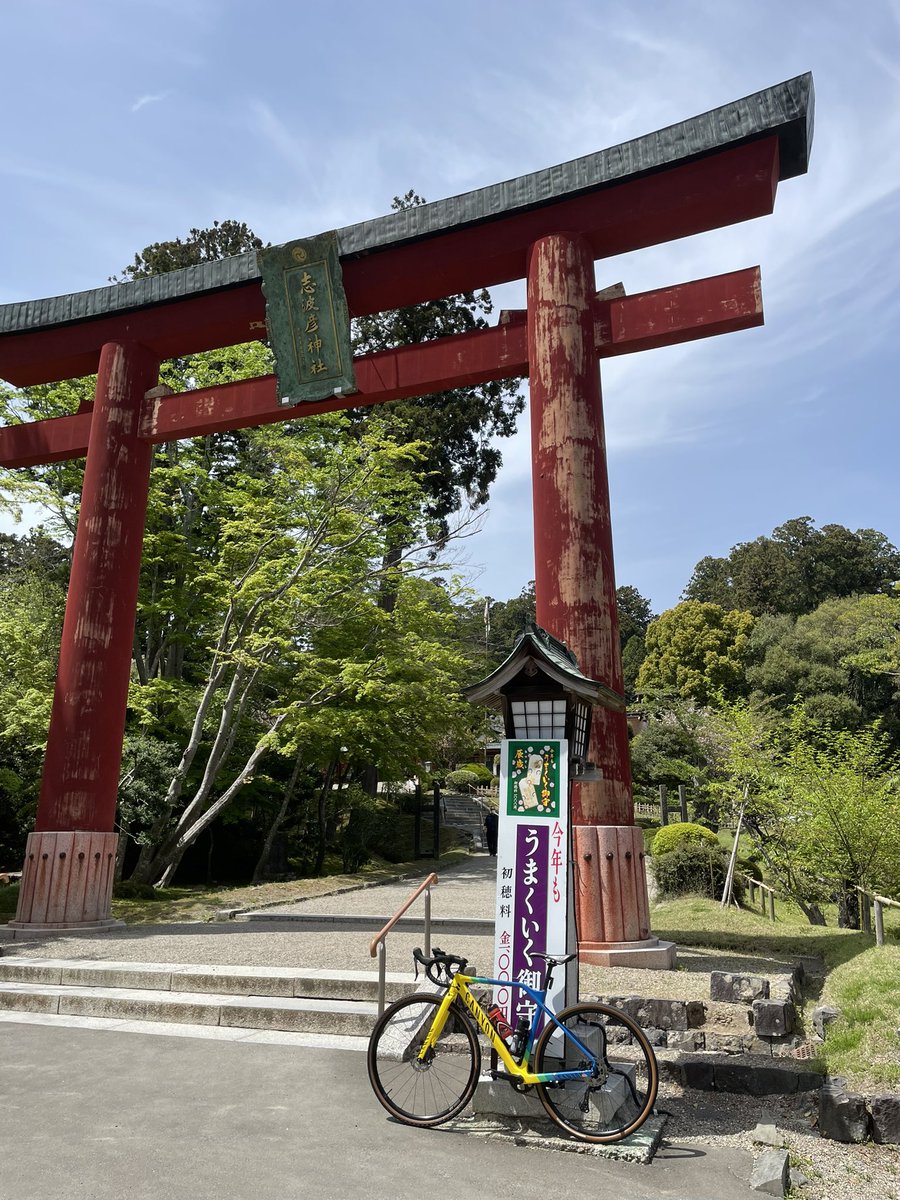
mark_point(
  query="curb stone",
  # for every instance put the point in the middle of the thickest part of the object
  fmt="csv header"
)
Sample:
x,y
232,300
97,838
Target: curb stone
x,y
771,1173
640,1147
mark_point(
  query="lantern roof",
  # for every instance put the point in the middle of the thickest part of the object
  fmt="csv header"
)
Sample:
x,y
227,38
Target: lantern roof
x,y
536,653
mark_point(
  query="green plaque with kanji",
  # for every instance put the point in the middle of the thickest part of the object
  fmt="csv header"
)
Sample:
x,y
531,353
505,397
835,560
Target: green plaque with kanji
x,y
307,319
532,778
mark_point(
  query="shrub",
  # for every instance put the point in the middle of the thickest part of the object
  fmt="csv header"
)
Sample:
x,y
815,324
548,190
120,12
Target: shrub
x,y
371,824
461,779
9,898
696,867
672,837
485,778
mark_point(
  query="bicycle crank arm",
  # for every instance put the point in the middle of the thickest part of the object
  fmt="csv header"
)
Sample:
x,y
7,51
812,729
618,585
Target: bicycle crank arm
x,y
512,1079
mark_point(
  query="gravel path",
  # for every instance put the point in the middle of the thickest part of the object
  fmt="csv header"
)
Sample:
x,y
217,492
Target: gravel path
x,y
466,890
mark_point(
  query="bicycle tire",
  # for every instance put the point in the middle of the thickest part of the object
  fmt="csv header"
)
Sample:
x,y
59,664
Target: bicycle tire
x,y
423,1094
621,1099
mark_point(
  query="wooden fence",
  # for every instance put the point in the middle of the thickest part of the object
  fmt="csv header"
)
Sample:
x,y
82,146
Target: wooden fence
x,y
868,902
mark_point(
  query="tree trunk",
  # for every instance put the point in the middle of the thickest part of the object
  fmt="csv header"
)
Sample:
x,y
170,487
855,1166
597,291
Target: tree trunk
x,y
848,906
812,912
322,843
260,868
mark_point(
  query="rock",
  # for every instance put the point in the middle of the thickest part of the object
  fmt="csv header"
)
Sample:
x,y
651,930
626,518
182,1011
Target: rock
x,y
656,1037
784,987
842,1115
685,1039
798,1179
822,1017
700,1075
767,1135
737,989
754,1080
660,1014
771,1172
885,1119
727,1043
773,1018
760,1046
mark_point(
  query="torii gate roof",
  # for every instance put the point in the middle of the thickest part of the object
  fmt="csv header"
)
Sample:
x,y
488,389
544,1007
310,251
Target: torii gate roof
x,y
783,113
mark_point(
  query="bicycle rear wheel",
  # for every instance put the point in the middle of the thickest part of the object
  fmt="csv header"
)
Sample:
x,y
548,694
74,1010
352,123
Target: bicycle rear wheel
x,y
423,1092
620,1098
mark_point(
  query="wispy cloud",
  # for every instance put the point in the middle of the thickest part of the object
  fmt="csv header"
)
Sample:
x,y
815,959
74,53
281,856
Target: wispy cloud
x,y
149,98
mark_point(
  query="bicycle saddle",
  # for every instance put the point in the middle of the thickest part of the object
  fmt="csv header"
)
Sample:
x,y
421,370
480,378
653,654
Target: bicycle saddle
x,y
554,960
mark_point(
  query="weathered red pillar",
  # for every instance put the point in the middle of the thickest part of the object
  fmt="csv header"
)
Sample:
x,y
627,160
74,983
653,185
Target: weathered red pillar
x,y
68,872
576,590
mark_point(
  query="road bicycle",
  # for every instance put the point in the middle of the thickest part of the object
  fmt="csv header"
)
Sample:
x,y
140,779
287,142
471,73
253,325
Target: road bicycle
x,y
593,1070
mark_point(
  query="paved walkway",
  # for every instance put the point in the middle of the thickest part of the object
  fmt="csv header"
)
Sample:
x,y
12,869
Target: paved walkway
x,y
92,1116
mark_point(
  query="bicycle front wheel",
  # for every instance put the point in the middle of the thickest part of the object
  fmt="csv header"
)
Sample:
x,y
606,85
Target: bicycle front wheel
x,y
431,1090
622,1093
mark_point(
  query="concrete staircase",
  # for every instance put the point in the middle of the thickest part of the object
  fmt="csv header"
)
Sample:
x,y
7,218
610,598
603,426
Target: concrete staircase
x,y
466,813
314,1004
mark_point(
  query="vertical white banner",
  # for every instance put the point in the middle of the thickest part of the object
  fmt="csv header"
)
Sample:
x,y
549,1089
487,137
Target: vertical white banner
x,y
532,903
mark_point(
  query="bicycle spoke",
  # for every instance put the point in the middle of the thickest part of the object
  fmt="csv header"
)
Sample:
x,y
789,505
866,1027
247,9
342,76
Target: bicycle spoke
x,y
620,1096
423,1092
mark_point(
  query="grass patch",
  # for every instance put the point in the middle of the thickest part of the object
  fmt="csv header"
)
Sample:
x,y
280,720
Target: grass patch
x,y
189,904
861,978
864,1043
9,898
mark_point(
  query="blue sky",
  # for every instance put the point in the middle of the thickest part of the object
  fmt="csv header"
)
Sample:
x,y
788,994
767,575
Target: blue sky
x,y
129,121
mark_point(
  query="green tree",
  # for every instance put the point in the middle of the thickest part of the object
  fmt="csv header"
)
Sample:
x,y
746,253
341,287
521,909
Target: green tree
x,y
696,650
635,616
797,568
220,240
841,662
456,428
31,608
823,805
292,592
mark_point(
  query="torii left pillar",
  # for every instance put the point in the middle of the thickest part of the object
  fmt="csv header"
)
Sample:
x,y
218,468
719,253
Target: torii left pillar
x,y
70,858
576,594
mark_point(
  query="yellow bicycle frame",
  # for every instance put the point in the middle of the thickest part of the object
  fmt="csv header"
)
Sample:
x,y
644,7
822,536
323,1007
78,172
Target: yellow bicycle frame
x,y
459,988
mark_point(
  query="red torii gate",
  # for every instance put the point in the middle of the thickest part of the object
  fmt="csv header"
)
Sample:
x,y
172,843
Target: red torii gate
x,y
711,171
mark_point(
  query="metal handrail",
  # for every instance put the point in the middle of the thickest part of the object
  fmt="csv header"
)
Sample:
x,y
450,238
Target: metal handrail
x,y
377,946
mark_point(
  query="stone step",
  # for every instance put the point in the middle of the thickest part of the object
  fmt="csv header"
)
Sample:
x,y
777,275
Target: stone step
x,y
275,982
285,1013
322,922
750,1074
710,1016
218,1033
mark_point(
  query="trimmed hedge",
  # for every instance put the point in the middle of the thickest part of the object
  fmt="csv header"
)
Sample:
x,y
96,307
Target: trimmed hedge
x,y
694,868
682,833
485,776
461,779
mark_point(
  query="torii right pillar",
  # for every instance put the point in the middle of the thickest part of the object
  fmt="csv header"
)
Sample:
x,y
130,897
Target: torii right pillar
x,y
576,594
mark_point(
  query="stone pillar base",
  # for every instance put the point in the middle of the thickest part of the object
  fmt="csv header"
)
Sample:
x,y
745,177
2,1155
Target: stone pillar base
x,y
650,954
611,902
67,881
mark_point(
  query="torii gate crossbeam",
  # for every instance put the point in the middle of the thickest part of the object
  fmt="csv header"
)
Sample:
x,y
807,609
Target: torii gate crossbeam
x,y
549,227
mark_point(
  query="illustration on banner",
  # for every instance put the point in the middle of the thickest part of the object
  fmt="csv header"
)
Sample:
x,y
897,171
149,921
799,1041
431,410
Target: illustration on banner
x,y
533,784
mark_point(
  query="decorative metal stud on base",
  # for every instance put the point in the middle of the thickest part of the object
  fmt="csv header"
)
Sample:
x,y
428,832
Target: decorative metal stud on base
x,y
67,881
